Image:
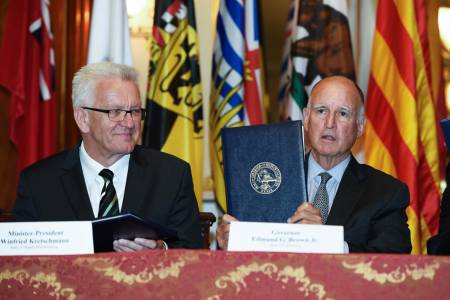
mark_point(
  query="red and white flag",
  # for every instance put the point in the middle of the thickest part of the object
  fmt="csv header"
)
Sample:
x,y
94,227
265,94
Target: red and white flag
x,y
27,71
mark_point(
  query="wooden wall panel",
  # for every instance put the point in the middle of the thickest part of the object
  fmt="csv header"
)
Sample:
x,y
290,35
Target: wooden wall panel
x,y
58,13
77,38
7,150
7,156
273,26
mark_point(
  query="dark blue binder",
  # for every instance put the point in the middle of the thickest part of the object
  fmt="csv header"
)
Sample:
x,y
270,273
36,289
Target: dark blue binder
x,y
264,171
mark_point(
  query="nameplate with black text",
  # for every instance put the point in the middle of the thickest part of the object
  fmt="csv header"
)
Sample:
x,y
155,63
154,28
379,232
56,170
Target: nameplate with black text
x,y
283,237
46,238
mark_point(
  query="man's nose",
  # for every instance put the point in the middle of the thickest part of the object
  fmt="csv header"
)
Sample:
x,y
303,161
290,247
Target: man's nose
x,y
128,120
330,120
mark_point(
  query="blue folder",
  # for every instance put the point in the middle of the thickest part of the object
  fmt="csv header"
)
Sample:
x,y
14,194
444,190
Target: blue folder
x,y
264,171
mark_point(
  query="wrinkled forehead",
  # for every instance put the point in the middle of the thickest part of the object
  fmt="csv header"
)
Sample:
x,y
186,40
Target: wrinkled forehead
x,y
116,90
335,93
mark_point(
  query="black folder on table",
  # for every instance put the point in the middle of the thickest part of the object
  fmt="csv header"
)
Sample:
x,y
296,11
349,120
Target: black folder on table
x,y
127,226
445,125
264,171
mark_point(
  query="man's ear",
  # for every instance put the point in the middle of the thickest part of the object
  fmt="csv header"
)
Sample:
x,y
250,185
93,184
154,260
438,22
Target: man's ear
x,y
82,119
361,126
306,118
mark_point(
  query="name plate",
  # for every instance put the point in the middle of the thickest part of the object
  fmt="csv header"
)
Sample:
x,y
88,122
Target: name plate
x,y
46,238
282,237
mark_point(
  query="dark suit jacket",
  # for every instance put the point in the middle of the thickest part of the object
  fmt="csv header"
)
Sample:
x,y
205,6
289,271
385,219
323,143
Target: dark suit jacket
x,y
371,206
444,221
159,187
440,243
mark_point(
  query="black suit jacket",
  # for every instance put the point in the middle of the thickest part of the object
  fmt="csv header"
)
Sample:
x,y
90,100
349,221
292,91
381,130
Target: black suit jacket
x,y
159,187
371,206
444,221
440,243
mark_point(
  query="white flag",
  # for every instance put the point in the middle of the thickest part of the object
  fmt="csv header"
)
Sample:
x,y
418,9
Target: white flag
x,y
109,38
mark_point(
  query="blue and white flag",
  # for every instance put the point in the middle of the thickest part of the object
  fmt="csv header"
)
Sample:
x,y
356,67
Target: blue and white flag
x,y
284,95
236,97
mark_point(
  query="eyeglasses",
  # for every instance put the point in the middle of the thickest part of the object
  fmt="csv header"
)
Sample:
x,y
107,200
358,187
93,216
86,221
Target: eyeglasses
x,y
118,115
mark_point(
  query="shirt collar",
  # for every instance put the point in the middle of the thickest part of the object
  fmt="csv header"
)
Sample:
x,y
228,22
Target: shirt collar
x,y
119,168
314,169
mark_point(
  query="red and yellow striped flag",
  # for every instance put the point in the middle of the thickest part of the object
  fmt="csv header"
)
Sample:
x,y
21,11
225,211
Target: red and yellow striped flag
x,y
403,108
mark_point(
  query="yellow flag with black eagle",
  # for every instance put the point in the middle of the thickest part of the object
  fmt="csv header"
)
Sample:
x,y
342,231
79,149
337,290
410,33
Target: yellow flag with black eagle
x,y
174,97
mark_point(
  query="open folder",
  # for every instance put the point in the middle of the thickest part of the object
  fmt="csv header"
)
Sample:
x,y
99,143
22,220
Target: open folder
x,y
127,226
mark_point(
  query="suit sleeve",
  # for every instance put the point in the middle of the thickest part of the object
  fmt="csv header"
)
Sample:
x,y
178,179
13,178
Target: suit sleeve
x,y
24,208
444,223
184,217
389,231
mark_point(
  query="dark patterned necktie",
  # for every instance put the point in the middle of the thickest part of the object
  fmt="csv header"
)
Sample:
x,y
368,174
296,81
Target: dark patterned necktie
x,y
321,198
109,205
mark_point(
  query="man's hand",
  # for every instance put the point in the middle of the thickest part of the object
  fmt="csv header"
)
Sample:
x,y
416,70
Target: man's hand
x,y
223,231
137,244
306,214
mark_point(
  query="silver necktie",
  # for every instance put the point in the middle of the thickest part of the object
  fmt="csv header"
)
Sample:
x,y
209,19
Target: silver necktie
x,y
321,198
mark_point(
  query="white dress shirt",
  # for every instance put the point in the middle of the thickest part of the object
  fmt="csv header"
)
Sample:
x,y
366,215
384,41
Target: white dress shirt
x,y
314,169
94,182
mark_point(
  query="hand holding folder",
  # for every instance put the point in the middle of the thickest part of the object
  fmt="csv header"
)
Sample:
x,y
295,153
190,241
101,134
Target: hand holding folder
x,y
127,226
264,171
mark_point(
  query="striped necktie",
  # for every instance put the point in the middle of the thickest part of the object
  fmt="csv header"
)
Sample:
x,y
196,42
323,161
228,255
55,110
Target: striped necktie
x,y
109,205
321,198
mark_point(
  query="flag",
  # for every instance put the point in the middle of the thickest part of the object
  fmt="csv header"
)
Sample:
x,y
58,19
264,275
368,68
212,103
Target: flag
x,y
362,15
402,134
320,46
286,63
109,35
236,97
27,71
174,97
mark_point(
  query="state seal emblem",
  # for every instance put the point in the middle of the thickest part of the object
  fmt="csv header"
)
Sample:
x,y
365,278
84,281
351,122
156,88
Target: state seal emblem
x,y
265,178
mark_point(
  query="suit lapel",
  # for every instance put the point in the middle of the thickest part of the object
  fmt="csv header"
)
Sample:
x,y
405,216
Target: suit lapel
x,y
75,187
348,194
136,188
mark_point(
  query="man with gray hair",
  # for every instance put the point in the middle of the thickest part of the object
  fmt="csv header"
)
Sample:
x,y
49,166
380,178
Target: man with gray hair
x,y
107,172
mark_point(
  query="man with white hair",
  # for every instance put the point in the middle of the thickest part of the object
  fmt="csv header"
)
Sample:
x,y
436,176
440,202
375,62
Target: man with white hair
x,y
367,202
107,172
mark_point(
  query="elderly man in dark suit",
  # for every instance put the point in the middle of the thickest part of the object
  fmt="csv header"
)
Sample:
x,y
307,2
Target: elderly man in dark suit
x,y
368,203
107,173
